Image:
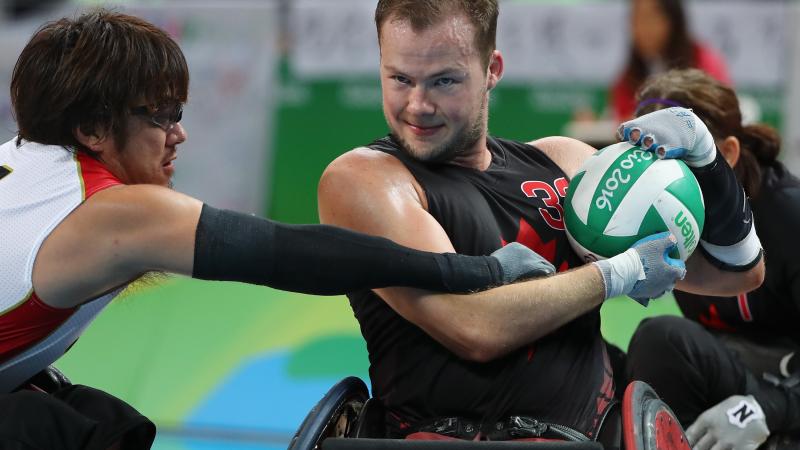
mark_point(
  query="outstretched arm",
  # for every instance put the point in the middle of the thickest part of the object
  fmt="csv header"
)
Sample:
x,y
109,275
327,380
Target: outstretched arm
x,y
327,260
125,231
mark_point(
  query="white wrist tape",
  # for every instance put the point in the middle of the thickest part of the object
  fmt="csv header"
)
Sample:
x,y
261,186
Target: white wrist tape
x,y
621,272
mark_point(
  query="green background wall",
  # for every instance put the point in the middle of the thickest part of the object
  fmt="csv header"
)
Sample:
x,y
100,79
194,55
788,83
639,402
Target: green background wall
x,y
319,120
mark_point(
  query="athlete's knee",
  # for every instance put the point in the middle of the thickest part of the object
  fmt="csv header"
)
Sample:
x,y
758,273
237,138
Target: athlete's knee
x,y
32,400
661,343
26,406
666,333
652,334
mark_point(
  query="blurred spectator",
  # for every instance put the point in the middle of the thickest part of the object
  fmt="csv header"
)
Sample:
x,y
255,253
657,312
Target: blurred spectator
x,y
660,41
18,9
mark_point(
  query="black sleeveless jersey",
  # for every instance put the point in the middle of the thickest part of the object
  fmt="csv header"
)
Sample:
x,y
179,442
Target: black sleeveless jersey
x,y
562,378
772,310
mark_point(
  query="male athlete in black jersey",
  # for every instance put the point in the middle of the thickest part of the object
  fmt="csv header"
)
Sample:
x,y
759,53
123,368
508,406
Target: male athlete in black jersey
x,y
440,183
740,348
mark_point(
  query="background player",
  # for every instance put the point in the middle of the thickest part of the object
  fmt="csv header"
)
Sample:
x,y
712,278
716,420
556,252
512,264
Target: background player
x,y
737,349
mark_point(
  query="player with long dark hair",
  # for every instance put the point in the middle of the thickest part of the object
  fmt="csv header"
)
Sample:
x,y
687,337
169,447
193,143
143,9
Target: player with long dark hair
x,y
733,349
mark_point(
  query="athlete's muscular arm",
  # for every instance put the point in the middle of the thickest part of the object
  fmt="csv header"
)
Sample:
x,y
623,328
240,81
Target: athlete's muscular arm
x,y
120,233
702,277
568,153
373,192
115,236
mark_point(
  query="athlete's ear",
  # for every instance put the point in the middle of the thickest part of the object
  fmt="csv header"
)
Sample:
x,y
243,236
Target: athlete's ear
x,y
731,149
495,70
91,140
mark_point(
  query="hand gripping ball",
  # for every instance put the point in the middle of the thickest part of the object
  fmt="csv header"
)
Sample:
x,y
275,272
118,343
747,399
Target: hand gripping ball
x,y
623,193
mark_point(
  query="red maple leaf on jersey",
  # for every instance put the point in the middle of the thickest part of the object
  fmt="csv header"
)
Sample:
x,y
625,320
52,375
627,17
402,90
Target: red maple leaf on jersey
x,y
528,237
714,320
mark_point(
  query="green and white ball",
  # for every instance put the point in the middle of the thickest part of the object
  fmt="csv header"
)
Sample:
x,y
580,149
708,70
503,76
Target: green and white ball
x,y
622,194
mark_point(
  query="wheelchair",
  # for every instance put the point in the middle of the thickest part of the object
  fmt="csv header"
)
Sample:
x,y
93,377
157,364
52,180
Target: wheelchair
x,y
346,418
48,380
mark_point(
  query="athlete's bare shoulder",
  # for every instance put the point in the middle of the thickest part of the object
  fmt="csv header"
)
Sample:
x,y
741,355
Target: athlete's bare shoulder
x,y
129,206
113,237
568,153
365,174
365,162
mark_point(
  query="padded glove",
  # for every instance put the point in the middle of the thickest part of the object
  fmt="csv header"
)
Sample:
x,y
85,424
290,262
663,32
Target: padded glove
x,y
519,262
672,133
644,271
736,423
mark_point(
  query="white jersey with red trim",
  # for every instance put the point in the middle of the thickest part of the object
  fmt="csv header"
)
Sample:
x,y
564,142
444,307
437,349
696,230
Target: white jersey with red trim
x,y
39,186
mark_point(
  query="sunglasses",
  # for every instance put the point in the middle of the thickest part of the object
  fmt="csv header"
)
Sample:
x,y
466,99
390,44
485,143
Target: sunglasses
x,y
164,117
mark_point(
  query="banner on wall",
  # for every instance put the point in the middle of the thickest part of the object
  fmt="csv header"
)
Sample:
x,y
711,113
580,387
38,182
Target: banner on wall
x,y
231,53
333,38
556,42
12,40
790,148
750,35
548,42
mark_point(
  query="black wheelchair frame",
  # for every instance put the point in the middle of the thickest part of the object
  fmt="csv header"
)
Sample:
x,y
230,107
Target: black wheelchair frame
x,y
334,416
346,419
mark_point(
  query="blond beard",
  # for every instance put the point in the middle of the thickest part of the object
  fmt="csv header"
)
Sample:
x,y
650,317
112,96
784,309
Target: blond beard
x,y
456,146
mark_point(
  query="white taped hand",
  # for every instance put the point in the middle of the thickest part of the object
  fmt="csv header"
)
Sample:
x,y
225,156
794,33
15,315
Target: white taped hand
x,y
736,423
645,271
672,133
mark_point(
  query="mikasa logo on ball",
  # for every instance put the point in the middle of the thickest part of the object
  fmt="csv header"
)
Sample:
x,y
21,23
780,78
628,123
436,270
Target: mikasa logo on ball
x,y
623,193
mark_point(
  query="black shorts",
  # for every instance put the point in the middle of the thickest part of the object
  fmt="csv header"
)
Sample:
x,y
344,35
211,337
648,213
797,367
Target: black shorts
x,y
74,417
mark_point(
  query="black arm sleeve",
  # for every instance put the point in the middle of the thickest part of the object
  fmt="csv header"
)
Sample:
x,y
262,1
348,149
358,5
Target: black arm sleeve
x,y
781,403
325,260
728,215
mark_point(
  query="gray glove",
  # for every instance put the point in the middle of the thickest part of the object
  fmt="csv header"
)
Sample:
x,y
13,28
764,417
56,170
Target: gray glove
x,y
644,271
519,262
672,133
736,423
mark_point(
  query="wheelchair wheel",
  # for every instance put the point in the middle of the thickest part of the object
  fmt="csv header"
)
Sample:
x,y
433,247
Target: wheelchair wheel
x,y
648,423
333,416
